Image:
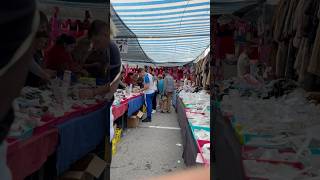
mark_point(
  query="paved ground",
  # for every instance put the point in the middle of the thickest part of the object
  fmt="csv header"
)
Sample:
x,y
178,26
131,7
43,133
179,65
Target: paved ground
x,y
151,149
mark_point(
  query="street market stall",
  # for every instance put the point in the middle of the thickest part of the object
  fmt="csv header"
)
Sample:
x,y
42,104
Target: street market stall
x,y
269,108
45,127
193,118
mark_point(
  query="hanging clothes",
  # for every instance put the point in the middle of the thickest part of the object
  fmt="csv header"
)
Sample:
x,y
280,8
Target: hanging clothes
x,y
280,18
314,66
203,70
281,59
298,22
311,23
305,59
287,30
273,57
289,71
299,60
209,77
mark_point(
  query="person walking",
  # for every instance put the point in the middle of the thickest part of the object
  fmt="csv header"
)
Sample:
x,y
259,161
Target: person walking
x,y
169,88
148,91
161,91
155,82
154,100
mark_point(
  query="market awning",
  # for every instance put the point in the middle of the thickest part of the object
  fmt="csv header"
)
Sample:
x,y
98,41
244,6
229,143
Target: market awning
x,y
169,31
230,6
134,54
75,9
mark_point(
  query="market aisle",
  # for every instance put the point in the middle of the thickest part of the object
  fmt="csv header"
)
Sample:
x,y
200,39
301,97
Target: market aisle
x,y
149,151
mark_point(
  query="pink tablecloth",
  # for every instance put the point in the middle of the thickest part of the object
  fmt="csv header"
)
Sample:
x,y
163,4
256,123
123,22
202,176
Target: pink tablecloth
x,y
120,110
27,156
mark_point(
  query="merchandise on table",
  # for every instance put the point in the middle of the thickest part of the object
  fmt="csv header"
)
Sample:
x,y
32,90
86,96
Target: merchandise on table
x,y
270,155
282,126
255,169
202,134
35,106
197,108
200,121
206,151
121,95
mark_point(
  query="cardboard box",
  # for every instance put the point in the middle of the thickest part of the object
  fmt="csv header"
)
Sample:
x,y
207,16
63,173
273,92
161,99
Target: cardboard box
x,y
88,168
133,122
140,114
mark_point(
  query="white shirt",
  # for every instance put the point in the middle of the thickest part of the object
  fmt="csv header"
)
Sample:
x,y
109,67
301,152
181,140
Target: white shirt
x,y
243,64
151,88
111,124
155,85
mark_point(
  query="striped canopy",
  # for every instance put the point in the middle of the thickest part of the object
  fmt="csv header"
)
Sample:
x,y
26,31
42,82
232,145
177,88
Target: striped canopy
x,y
168,31
220,7
75,9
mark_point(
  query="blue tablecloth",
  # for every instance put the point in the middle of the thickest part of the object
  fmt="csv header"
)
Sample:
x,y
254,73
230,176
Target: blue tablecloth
x,y
81,135
135,104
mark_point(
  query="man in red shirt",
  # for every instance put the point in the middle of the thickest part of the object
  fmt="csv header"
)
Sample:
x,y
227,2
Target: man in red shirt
x,y
59,56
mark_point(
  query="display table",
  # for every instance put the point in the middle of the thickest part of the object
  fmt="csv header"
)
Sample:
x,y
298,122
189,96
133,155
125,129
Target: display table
x,y
190,149
134,104
120,110
195,128
25,157
71,136
81,135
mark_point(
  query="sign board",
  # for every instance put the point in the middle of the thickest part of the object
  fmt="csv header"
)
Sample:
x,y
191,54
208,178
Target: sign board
x,y
122,45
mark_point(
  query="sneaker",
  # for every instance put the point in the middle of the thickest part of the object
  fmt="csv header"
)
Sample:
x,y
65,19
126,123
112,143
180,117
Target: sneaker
x,y
154,111
146,120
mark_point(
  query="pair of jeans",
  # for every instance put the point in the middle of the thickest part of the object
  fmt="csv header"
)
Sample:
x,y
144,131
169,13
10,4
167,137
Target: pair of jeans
x,y
154,101
148,102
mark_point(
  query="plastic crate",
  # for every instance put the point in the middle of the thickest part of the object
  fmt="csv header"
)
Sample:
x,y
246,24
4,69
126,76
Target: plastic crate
x,y
114,146
114,150
117,136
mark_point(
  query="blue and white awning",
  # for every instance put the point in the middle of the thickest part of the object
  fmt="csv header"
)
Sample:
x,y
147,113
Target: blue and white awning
x,y
168,30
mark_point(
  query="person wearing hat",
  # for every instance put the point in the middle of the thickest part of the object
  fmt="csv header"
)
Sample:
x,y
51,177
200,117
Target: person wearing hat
x,y
18,27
